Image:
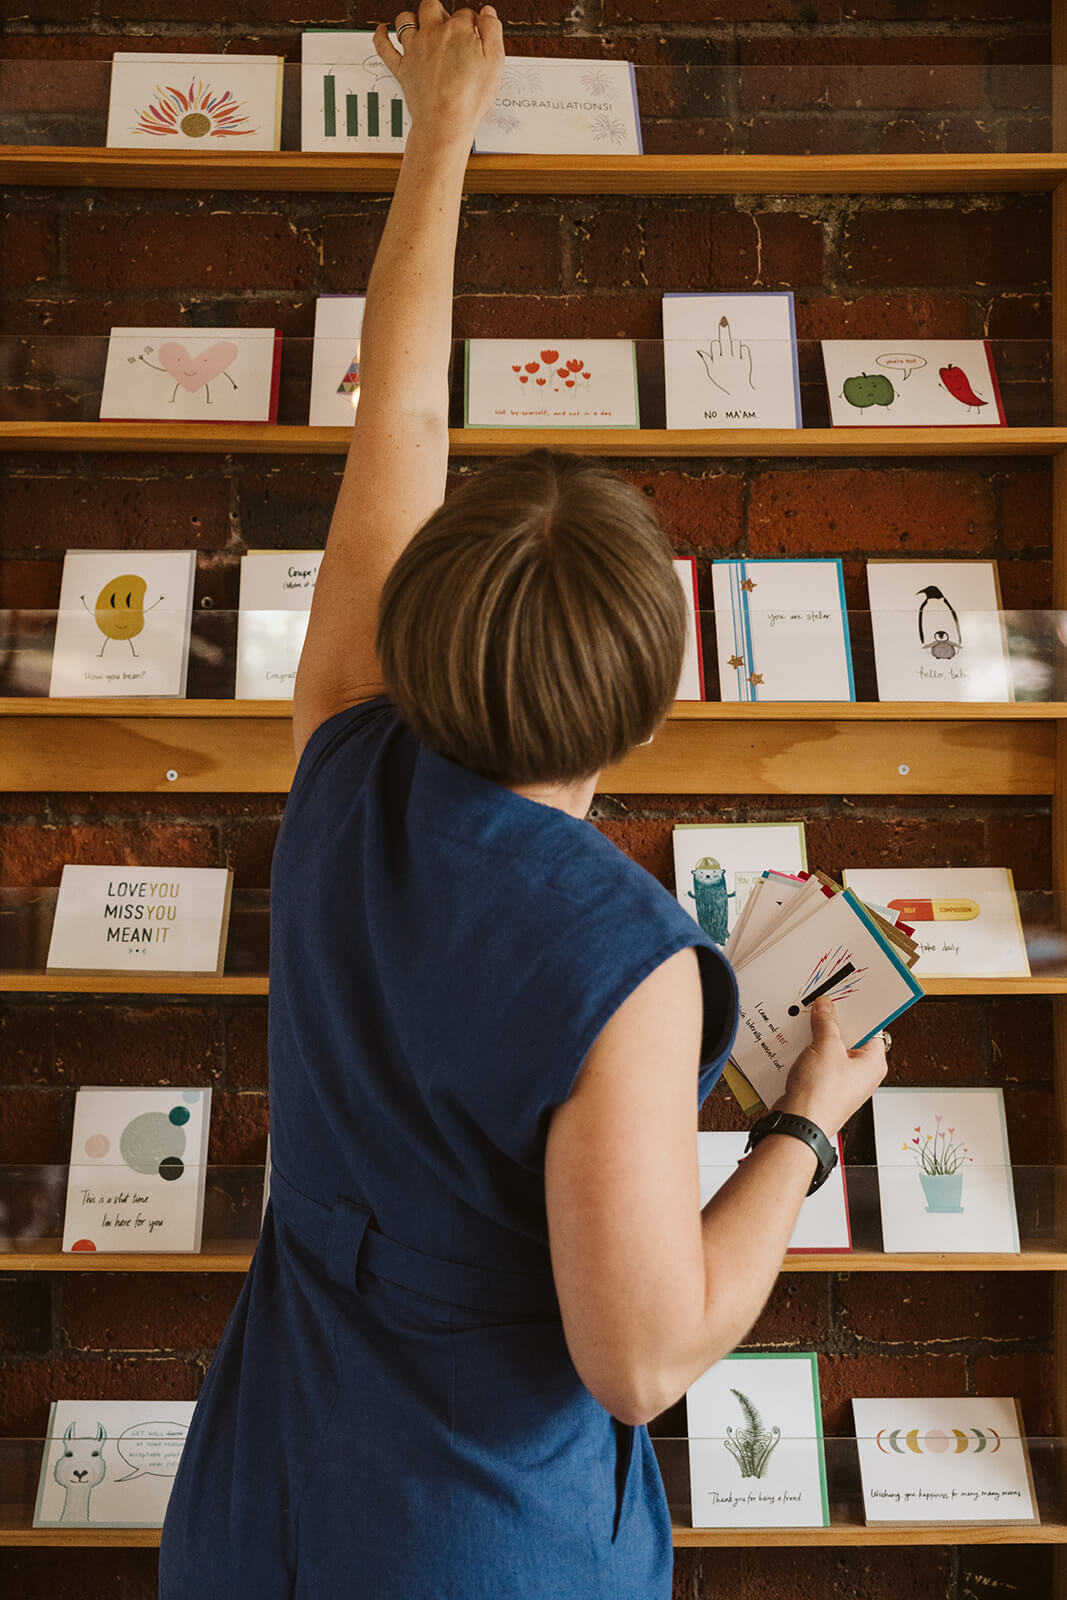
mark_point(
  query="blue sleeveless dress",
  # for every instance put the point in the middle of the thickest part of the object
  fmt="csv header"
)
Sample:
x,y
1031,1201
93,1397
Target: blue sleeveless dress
x,y
392,1413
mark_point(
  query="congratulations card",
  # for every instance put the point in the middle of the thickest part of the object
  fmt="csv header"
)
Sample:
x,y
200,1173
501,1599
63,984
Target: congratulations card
x,y
944,1170
716,866
730,361
277,587
782,630
938,632
349,98
756,1444
137,1170
823,1221
110,1463
140,919
570,383
186,375
966,919
335,360
123,623
193,102
562,106
935,383
947,1461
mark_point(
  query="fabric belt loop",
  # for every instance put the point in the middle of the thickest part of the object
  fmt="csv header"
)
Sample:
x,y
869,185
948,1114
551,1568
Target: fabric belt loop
x,y
347,1230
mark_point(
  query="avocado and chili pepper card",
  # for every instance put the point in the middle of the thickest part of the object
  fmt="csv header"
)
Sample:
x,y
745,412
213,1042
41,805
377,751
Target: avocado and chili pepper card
x,y
912,383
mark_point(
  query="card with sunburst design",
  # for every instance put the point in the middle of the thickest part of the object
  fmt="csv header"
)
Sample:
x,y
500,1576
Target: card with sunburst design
x,y
194,102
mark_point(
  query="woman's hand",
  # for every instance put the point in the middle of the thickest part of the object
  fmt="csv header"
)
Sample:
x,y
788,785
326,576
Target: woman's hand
x,y
450,67
828,1082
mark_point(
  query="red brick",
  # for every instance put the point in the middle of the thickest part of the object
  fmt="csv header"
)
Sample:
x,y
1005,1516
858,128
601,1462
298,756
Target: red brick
x,y
29,585
875,316
784,133
1017,12
514,248
906,136
1026,585
915,1308
852,73
287,507
842,1378
575,316
1030,1115
25,1317
45,314
119,1574
238,1129
246,1047
695,136
701,12
99,47
1027,135
1026,507
797,1313
141,1312
1002,245
856,1574
1019,316
896,841
680,247
697,513
227,249
248,847
942,1042
83,512
169,12
1024,844
1029,1378
1020,1036
822,511
27,1388
29,254
122,1044
1009,1572
1020,77
36,855
648,842
34,1127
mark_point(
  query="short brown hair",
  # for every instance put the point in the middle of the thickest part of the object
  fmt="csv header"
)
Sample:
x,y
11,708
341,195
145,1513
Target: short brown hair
x,y
533,630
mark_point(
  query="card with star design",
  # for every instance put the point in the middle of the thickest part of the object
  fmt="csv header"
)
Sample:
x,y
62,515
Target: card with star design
x,y
782,630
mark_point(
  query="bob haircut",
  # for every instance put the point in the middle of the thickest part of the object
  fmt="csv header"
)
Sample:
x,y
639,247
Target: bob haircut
x,y
533,630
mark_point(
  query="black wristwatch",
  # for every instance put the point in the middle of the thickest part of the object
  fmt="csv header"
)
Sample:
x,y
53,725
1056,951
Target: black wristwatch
x,y
799,1128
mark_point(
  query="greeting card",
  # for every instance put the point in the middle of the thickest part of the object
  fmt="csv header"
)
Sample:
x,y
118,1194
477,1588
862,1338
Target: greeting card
x,y
730,361
194,102
756,1444
137,1170
187,375
349,98
944,1170
944,1460
335,360
937,629
782,630
935,383
143,919
110,1463
123,623
716,866
823,1223
966,919
276,590
560,106
568,383
691,682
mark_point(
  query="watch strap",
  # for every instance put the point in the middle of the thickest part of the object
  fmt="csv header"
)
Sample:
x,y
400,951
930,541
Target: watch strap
x,y
806,1131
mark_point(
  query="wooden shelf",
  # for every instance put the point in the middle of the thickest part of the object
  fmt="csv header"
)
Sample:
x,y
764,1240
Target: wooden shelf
x,y
190,983
67,166
262,438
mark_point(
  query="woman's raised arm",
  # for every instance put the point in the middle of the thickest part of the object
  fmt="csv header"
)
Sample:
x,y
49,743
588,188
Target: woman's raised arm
x,y
397,460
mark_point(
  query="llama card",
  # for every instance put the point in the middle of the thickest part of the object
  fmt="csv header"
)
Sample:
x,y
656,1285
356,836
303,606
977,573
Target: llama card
x,y
932,383
952,1460
137,1169
944,1170
823,1223
937,630
349,98
194,102
123,623
691,682
715,866
335,360
965,919
191,375
730,361
756,1455
276,590
781,630
562,106
140,919
110,1463
562,383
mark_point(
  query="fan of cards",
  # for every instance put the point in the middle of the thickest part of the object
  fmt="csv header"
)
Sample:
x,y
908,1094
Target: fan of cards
x,y
797,939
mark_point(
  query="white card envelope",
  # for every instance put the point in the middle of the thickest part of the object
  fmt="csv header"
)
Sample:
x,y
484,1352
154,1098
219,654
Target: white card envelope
x,y
191,375
122,627
823,1223
137,1170
914,383
966,919
277,587
730,361
560,106
782,630
837,952
220,103
937,629
349,98
140,919
110,1463
335,354
551,383
943,1460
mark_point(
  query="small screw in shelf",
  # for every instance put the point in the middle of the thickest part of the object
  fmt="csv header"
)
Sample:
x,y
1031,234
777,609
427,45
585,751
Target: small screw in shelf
x,y
171,775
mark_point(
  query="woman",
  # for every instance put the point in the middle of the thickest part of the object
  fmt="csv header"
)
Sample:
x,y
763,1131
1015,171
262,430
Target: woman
x,y
484,1266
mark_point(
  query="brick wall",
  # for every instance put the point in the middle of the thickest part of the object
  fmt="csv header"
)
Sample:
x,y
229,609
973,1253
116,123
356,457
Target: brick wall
x,y
955,75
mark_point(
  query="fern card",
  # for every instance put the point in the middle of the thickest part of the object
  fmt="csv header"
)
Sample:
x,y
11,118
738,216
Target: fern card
x,y
195,102
558,383
122,627
110,1463
349,98
781,630
730,361
191,375
276,590
562,106
756,1456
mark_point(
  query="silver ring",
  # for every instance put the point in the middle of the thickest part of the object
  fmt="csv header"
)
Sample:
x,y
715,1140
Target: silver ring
x,y
404,25
886,1037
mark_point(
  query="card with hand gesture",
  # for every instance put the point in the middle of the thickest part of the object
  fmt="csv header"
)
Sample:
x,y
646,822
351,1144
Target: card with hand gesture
x,y
730,361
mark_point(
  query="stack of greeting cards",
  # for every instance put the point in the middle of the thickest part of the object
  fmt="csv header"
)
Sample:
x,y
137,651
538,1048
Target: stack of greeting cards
x,y
799,939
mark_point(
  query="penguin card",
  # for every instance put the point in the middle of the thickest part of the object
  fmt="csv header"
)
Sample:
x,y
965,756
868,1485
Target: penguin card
x,y
918,383
123,623
781,630
110,1463
715,867
938,631
965,919
730,361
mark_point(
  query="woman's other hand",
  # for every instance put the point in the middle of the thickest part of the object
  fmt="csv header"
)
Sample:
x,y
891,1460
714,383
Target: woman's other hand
x,y
449,66
828,1082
